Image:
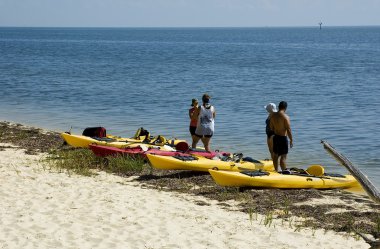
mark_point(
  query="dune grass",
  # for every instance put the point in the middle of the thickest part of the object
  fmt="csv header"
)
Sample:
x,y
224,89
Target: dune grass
x,y
84,162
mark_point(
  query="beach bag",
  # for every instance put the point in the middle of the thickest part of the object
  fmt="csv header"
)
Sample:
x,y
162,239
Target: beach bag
x,y
95,132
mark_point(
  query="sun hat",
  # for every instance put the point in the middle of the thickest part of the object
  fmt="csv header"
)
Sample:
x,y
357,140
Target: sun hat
x,y
271,107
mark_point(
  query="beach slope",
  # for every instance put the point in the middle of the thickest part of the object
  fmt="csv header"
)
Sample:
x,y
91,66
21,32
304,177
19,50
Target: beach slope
x,y
42,208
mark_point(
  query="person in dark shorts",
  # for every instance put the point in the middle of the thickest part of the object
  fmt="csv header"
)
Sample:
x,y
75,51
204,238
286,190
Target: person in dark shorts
x,y
271,108
193,118
280,124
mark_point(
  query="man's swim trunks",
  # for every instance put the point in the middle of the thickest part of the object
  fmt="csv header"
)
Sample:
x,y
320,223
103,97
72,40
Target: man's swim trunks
x,y
280,145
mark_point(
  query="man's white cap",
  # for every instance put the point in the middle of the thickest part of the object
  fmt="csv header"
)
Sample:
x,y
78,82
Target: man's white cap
x,y
271,107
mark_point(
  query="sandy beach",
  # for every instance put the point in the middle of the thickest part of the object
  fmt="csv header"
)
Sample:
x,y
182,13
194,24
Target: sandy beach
x,y
43,208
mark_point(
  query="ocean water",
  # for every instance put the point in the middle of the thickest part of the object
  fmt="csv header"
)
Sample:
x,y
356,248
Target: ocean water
x,y
123,79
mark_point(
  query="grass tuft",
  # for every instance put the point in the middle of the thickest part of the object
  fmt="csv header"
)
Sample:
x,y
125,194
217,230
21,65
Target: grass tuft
x,y
84,162
77,161
124,165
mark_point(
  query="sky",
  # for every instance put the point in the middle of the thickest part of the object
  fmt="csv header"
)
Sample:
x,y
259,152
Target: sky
x,y
188,13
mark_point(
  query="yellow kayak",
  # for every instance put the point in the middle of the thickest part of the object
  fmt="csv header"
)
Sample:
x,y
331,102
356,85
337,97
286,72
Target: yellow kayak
x,y
118,142
84,141
192,162
278,180
98,135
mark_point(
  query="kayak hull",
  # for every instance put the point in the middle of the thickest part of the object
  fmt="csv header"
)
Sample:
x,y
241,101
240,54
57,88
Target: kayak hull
x,y
277,180
80,141
204,164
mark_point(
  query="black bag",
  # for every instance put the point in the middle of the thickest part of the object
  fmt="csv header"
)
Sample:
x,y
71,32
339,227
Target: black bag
x,y
95,132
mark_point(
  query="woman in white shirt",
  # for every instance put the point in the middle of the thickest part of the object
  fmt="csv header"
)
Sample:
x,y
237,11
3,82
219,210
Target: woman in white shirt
x,y
205,126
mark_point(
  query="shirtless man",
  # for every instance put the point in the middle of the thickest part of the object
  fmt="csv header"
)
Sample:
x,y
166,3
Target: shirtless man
x,y
280,124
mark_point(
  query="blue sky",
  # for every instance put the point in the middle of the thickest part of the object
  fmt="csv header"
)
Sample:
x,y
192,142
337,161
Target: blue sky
x,y
188,13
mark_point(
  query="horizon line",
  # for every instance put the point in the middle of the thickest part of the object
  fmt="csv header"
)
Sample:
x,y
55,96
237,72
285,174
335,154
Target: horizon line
x,y
192,27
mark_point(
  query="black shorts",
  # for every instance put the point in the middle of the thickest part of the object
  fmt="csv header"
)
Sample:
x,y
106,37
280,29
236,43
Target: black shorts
x,y
280,145
200,136
192,130
269,134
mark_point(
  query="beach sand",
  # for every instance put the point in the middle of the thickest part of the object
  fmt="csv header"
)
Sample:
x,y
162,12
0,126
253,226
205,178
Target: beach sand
x,y
43,208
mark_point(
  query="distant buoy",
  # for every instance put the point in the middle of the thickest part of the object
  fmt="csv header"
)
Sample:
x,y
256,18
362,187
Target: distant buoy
x,y
320,25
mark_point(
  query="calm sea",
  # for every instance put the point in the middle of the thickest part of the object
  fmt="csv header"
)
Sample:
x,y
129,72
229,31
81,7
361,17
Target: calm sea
x,y
57,78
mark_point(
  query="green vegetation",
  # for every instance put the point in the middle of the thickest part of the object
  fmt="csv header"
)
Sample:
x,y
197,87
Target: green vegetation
x,y
78,161
251,213
268,218
84,162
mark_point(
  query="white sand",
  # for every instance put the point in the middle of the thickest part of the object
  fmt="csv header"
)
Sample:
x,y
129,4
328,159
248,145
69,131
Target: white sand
x,y
44,209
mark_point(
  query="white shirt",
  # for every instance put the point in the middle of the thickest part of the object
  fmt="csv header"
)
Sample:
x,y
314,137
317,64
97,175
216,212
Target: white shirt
x,y
205,124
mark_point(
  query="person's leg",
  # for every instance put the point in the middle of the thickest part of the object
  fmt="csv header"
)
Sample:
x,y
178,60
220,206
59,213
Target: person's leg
x,y
275,148
282,150
270,147
206,143
283,161
275,162
193,137
195,141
